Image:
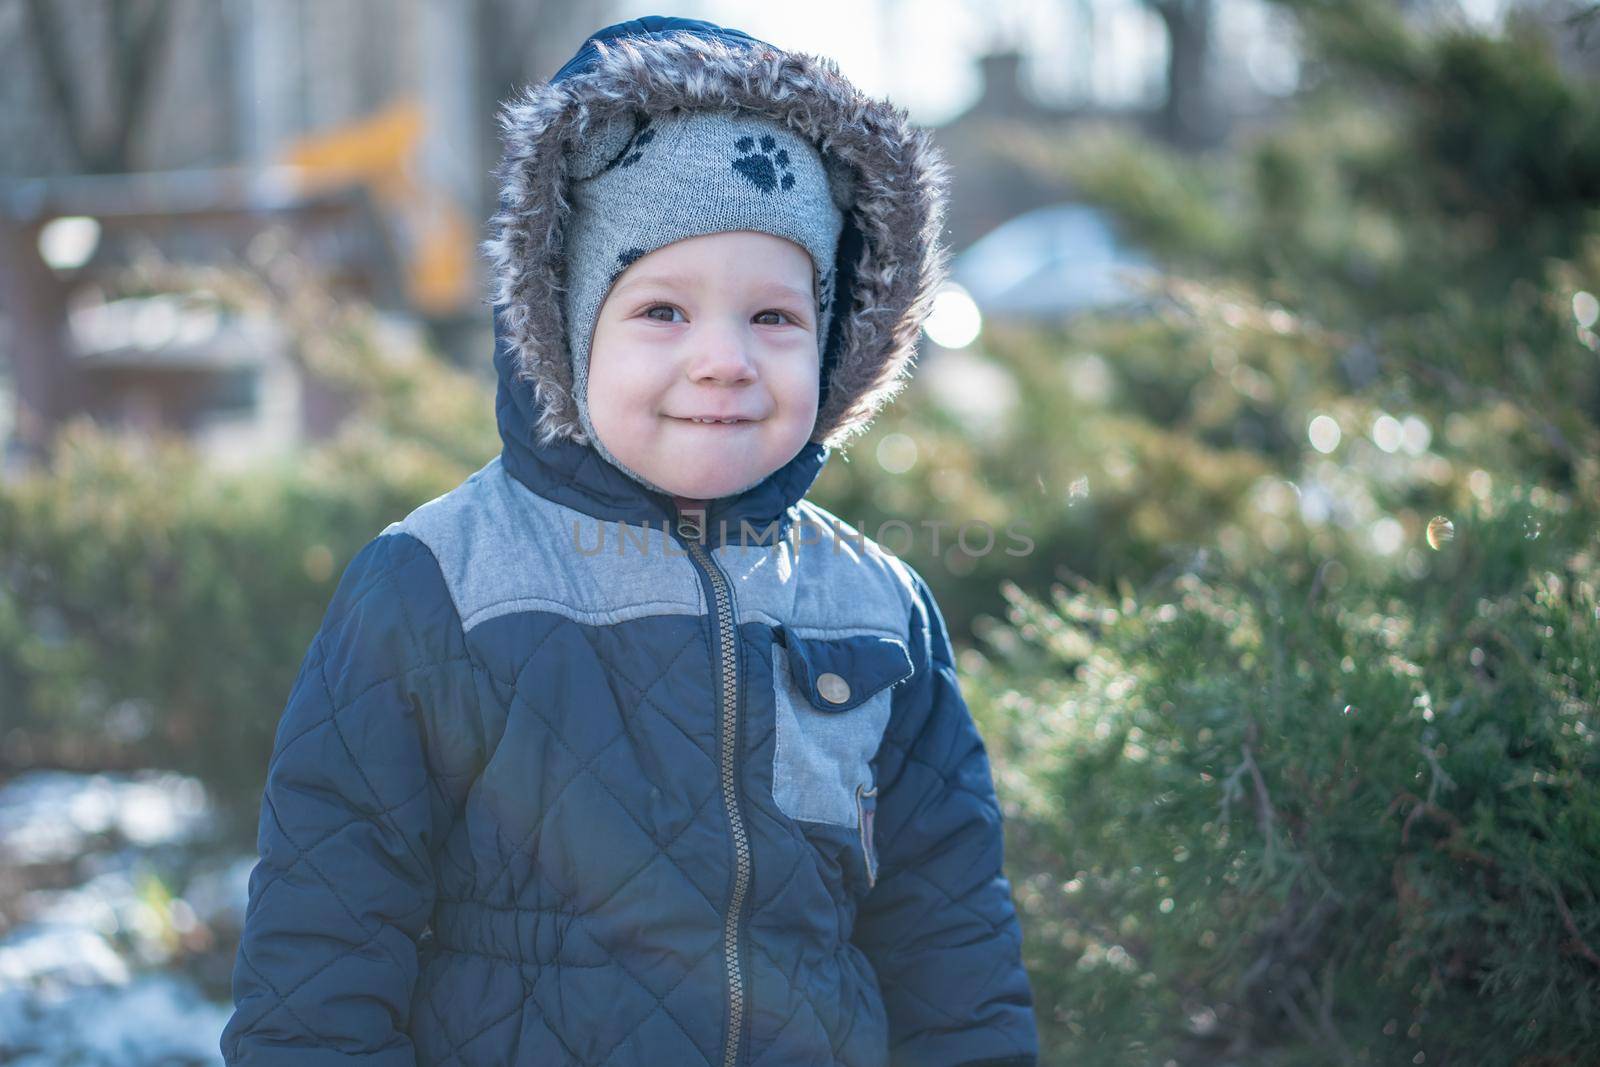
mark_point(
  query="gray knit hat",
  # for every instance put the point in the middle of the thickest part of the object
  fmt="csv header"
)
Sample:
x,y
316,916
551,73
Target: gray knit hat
x,y
641,182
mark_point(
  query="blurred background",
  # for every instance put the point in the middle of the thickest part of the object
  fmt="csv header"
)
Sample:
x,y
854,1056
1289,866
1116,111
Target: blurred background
x,y
1272,334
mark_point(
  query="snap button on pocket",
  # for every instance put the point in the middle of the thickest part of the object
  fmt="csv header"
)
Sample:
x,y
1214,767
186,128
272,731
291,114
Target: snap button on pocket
x,y
838,672
834,689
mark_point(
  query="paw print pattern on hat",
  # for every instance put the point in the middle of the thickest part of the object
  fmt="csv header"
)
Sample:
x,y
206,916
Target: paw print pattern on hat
x,y
762,168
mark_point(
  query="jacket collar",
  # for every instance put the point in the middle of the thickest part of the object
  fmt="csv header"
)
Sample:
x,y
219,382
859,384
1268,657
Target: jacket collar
x,y
576,476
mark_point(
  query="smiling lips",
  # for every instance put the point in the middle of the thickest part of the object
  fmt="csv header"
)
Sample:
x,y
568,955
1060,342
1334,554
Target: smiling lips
x,y
709,420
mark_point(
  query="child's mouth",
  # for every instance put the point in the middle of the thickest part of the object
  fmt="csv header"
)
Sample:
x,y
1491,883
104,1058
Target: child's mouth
x,y
717,423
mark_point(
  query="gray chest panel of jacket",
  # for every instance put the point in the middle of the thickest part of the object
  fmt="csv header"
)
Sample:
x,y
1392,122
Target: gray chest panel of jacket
x,y
504,549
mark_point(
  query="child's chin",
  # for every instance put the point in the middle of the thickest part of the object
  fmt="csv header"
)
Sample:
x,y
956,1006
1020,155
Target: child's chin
x,y
711,488
710,480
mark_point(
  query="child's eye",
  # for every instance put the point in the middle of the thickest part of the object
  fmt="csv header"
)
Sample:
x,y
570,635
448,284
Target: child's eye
x,y
650,312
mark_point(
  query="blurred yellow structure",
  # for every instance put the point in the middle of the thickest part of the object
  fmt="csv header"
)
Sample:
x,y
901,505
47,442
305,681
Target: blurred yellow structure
x,y
382,153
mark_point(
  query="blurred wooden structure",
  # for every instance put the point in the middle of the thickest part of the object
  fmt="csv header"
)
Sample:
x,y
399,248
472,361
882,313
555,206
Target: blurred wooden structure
x,y
158,362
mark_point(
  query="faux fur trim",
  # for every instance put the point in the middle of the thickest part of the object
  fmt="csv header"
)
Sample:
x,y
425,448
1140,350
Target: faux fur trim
x,y
900,185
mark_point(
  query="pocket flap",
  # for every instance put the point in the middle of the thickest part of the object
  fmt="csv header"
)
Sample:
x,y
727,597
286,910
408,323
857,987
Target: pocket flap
x,y
838,673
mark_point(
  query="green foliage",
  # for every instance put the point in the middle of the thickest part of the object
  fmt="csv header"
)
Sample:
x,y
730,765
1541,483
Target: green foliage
x,y
1292,816
1315,784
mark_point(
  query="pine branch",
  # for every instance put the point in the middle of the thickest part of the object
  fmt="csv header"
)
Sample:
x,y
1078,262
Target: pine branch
x,y
1579,945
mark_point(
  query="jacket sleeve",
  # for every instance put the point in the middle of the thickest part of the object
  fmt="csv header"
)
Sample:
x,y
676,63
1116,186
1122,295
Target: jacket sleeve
x,y
327,961
939,926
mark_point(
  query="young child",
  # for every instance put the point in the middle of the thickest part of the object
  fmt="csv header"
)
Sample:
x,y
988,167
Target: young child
x,y
707,793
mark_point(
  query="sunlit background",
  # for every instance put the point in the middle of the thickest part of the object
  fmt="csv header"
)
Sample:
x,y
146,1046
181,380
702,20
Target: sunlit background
x,y
1272,330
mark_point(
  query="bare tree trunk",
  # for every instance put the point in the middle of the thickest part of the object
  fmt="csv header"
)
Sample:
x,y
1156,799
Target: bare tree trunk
x,y
133,60
46,379
1189,116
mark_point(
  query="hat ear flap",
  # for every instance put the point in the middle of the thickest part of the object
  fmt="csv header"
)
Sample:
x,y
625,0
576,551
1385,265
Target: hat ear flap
x,y
603,145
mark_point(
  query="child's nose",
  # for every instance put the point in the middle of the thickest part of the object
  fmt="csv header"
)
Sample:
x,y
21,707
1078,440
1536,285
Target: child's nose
x,y
722,354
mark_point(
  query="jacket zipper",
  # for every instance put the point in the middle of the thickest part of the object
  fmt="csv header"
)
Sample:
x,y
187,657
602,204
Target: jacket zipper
x,y
691,532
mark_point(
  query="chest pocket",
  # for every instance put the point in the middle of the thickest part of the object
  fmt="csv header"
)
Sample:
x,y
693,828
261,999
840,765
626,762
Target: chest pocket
x,y
832,697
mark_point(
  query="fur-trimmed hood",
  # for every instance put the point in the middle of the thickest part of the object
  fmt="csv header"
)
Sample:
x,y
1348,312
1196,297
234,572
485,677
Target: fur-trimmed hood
x,y
891,261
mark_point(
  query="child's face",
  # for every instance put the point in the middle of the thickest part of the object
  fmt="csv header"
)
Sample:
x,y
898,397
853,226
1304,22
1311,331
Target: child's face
x,y
720,325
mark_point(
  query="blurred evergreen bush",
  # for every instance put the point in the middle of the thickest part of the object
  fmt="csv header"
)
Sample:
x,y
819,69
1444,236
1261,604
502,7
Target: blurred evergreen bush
x,y
1291,814
1294,706
153,610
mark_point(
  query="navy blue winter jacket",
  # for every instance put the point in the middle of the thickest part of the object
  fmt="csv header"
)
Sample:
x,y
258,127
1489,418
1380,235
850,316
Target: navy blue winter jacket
x,y
702,792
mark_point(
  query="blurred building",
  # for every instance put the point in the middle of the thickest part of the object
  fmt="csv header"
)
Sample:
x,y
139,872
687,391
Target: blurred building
x,y
366,129
1194,75
361,132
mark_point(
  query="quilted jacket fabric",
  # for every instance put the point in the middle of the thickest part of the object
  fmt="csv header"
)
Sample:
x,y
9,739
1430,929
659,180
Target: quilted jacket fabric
x,y
568,777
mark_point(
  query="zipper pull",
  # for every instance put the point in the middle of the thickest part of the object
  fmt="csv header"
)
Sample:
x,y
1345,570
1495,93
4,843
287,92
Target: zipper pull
x,y
691,521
